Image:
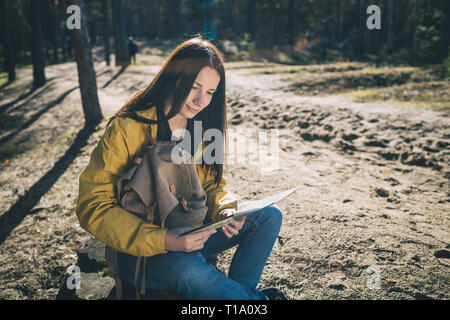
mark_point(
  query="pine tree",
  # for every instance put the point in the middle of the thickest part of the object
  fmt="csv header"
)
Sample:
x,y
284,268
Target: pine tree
x,y
37,44
120,34
8,40
86,72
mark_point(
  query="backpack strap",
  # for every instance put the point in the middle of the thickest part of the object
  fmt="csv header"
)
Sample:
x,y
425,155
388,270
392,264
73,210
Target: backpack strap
x,y
144,265
136,274
133,115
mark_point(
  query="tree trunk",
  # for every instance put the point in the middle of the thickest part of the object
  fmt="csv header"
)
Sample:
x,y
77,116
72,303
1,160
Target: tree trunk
x,y
230,16
62,30
120,34
157,6
141,17
338,23
37,44
168,19
178,21
251,19
196,18
291,22
300,20
394,32
331,24
385,22
53,29
8,41
92,28
86,72
445,7
358,46
106,31
48,32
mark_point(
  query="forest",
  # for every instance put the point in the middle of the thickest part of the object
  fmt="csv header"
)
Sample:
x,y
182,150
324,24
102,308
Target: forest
x,y
412,31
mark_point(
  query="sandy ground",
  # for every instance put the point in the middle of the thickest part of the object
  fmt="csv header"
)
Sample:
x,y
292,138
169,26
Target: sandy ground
x,y
370,219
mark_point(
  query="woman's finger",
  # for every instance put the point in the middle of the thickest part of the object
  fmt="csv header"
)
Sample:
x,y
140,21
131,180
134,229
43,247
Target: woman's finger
x,y
202,235
227,234
231,231
238,224
199,242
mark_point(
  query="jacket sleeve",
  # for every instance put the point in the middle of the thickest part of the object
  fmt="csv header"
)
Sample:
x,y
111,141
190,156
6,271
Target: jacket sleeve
x,y
218,199
97,208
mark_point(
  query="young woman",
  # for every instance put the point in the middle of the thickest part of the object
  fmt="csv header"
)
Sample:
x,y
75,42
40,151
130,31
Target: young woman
x,y
190,87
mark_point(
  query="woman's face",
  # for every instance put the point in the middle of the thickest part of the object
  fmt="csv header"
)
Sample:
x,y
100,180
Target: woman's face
x,y
201,93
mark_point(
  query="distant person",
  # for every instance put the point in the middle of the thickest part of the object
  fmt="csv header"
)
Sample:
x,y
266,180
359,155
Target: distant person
x,y
132,50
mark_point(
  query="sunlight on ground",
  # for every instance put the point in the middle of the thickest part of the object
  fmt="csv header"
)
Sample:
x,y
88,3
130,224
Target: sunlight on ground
x,y
362,82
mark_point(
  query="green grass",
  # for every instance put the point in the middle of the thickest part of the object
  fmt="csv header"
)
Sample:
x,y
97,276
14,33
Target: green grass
x,y
364,95
9,149
336,82
4,83
3,79
69,136
427,94
25,66
309,69
8,122
361,82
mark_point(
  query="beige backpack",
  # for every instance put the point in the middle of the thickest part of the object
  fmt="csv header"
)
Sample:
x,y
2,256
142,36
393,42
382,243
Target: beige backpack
x,y
162,192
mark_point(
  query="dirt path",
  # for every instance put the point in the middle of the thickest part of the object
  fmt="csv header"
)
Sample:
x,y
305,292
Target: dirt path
x,y
372,199
373,181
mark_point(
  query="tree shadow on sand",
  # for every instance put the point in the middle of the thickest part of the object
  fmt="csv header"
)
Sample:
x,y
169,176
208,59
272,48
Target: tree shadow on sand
x,y
36,116
25,95
122,69
15,215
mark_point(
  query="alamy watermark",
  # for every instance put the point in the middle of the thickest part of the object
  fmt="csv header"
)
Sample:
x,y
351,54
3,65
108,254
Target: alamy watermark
x,y
256,147
374,20
74,20
374,279
74,281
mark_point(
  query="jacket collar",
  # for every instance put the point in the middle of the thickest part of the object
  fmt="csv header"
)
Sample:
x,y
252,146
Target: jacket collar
x,y
151,114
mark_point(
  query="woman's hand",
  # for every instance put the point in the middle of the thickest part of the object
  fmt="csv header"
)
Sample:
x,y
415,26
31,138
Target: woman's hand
x,y
232,229
187,243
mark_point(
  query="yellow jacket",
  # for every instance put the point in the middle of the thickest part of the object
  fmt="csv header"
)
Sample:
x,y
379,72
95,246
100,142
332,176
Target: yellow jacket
x,y
97,208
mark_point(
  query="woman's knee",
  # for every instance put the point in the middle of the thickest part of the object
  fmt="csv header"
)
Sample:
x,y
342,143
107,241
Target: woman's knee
x,y
274,215
269,218
193,273
177,263
183,267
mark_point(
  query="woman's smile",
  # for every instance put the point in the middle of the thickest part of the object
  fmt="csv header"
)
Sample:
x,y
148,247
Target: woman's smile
x,y
192,109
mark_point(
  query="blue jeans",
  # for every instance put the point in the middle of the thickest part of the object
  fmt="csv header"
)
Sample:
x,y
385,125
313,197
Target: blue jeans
x,y
188,273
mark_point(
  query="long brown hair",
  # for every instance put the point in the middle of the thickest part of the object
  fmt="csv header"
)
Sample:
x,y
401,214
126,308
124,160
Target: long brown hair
x,y
175,80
